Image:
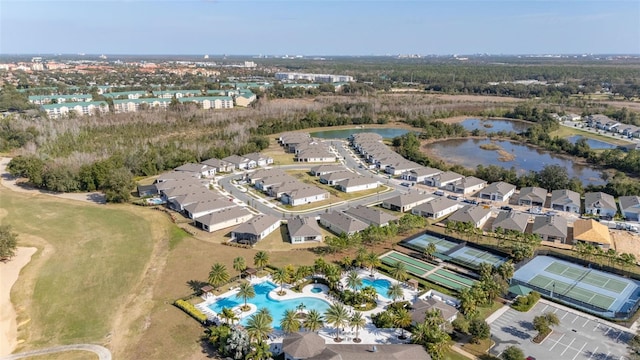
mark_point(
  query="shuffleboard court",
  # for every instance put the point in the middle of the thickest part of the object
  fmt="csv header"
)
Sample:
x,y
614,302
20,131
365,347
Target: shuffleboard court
x,y
446,282
455,277
413,266
595,291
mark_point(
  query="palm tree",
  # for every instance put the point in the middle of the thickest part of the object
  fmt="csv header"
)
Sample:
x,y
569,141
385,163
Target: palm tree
x,y
259,326
353,281
395,292
239,265
468,303
399,271
420,333
280,277
246,291
332,273
260,350
372,261
289,322
402,319
218,275
265,312
361,257
314,321
430,250
505,270
227,315
261,259
438,344
338,316
319,265
357,321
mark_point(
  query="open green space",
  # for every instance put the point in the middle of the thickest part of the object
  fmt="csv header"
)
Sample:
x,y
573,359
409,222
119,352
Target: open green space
x,y
93,258
567,131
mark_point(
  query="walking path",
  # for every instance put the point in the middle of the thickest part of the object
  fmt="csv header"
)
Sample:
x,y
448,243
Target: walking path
x,y
102,352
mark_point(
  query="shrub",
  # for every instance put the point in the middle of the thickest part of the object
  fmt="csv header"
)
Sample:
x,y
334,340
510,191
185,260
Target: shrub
x,y
525,303
190,309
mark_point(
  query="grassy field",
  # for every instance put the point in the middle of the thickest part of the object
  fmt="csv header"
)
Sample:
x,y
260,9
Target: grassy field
x,y
89,259
566,131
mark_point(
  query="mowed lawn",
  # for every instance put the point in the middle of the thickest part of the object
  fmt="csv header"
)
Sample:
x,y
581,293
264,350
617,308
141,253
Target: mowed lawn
x,y
94,257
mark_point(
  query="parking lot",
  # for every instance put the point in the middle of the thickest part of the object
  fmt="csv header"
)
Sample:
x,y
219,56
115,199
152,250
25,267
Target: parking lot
x,y
578,337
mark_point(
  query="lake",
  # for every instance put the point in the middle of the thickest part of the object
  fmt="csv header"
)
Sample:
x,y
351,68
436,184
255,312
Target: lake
x,y
387,133
494,125
466,152
593,143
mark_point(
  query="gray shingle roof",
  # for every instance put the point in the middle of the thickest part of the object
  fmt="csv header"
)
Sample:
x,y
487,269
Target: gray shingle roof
x,y
550,225
533,194
470,213
223,215
629,204
257,225
370,215
600,200
343,222
511,220
303,226
565,197
502,188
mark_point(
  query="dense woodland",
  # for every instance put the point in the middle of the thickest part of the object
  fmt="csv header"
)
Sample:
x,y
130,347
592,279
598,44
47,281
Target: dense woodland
x,y
104,152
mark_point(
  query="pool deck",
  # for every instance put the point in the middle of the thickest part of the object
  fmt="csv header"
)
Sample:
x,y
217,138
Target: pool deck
x,y
369,334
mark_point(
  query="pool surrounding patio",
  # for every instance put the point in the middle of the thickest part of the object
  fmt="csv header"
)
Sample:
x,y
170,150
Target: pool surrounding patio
x,y
262,299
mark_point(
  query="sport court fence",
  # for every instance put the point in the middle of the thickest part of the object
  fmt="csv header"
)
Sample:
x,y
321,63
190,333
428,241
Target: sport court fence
x,y
460,243
583,262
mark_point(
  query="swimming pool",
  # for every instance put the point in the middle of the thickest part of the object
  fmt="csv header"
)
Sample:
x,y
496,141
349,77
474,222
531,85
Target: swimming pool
x,y
275,307
381,285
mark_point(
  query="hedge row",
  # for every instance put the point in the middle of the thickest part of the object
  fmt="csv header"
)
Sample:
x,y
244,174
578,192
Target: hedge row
x,y
191,310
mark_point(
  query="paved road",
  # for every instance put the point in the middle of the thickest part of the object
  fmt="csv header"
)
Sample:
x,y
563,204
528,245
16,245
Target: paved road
x,y
349,161
102,352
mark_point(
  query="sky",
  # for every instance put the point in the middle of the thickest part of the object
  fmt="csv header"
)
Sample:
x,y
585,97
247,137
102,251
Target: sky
x,y
320,27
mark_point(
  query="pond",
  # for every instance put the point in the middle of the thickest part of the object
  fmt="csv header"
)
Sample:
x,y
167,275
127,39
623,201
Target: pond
x,y
387,133
494,125
593,143
526,158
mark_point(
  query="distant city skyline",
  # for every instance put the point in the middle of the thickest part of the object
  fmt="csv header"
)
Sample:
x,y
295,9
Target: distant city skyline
x,y
320,27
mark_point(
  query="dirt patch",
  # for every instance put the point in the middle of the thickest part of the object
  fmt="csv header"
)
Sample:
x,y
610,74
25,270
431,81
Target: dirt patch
x,y
9,272
626,242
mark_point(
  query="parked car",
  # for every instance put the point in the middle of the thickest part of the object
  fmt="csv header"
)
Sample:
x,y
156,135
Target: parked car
x,y
452,197
406,184
507,208
469,201
439,192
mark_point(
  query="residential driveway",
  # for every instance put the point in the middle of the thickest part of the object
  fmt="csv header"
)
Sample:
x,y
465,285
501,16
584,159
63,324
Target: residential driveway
x,y
578,337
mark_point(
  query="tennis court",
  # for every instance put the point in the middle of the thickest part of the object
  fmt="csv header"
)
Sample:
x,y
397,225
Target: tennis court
x,y
414,266
471,257
421,242
595,291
